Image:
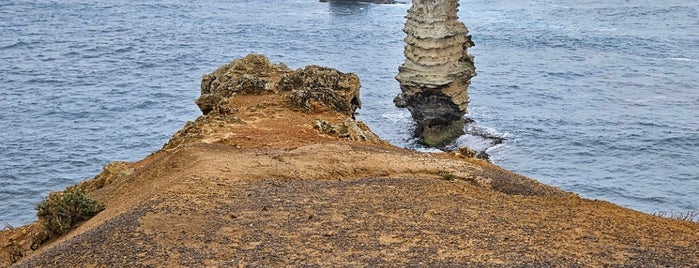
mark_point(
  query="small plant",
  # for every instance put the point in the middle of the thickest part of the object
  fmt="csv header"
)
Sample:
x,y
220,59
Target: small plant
x,y
62,210
467,152
16,252
446,175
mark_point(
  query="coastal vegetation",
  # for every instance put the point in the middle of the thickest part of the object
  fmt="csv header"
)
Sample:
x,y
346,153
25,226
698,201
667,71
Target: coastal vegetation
x,y
61,211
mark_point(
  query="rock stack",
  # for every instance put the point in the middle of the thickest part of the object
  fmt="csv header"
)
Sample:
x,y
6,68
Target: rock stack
x,y
437,71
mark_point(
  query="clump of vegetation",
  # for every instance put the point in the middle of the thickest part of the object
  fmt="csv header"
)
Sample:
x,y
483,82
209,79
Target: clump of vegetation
x,y
60,211
446,175
467,152
16,252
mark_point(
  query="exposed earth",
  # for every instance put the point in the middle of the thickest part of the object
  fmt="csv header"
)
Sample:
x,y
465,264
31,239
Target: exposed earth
x,y
266,182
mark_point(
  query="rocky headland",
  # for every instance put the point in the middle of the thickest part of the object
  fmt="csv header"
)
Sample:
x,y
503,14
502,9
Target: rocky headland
x,y
437,71
277,172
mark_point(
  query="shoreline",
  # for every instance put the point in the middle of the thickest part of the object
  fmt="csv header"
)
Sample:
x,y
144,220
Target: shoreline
x,y
275,176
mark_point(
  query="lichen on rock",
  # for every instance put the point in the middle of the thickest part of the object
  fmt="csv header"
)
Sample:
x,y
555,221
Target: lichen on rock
x,y
437,71
251,93
253,74
316,88
312,89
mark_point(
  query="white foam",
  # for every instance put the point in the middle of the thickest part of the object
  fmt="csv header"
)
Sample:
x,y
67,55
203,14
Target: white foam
x,y
683,59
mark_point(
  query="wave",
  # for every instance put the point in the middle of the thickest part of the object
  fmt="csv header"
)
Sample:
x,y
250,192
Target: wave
x,y
682,59
18,44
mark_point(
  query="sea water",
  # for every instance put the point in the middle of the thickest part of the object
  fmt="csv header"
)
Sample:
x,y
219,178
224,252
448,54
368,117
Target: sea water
x,y
596,97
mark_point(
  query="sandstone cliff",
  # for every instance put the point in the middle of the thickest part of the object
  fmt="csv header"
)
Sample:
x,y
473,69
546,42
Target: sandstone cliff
x,y
277,173
437,71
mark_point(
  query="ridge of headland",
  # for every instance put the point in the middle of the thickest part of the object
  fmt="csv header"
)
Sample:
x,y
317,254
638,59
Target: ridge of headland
x,y
277,172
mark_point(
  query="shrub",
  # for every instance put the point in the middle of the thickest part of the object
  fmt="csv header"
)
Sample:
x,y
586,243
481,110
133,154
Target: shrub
x,y
62,210
446,175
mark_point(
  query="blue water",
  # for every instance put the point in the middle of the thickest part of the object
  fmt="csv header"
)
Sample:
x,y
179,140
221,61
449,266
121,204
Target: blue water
x,y
596,97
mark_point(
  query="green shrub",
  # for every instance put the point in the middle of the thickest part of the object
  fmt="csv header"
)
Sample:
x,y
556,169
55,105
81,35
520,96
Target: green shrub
x,y
62,210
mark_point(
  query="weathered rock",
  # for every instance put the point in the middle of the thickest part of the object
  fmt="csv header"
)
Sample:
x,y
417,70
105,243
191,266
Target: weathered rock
x,y
437,71
315,89
253,74
311,89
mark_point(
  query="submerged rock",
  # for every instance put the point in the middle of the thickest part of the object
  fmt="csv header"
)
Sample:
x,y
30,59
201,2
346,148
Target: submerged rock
x,y
437,71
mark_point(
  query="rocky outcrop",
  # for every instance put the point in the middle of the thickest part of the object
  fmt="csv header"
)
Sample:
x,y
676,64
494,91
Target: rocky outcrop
x,y
312,89
252,90
435,76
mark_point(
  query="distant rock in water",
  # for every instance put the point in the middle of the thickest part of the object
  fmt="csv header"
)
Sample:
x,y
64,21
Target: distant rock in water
x,y
437,71
362,1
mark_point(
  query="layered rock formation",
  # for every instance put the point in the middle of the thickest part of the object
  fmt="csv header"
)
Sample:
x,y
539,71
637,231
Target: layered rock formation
x,y
435,76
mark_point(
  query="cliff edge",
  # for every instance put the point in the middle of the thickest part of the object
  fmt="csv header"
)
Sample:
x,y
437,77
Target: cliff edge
x,y
278,173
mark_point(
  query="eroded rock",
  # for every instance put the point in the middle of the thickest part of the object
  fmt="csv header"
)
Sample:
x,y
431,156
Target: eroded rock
x,y
253,74
252,102
437,71
311,89
315,89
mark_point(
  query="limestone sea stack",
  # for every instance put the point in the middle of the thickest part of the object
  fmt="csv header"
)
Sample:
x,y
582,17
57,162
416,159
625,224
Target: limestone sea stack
x,y
437,71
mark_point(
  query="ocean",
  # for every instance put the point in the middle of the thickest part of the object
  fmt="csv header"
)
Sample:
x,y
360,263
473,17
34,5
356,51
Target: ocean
x,y
596,97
